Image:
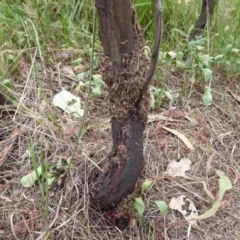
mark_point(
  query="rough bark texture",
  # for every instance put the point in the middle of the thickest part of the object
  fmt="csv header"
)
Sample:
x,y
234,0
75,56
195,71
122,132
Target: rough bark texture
x,y
125,68
127,75
206,14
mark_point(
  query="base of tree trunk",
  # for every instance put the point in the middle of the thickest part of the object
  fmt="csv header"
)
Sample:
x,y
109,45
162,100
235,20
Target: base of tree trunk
x,y
126,160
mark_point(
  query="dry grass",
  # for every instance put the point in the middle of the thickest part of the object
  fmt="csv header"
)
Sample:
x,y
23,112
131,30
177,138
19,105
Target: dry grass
x,y
215,135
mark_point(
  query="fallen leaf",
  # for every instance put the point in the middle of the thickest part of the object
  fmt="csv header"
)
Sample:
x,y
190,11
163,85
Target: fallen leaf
x,y
193,121
175,114
159,177
158,117
30,179
209,161
68,70
207,96
181,136
161,143
192,79
236,175
139,205
69,103
6,198
79,68
146,184
226,202
186,207
162,206
178,169
235,96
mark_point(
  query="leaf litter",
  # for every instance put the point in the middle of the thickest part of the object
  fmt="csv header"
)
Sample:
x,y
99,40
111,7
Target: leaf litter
x,y
75,216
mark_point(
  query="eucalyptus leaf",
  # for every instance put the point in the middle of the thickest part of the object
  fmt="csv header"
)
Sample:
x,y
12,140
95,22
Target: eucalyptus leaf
x,y
96,92
207,73
139,206
218,57
169,96
146,185
227,48
235,50
77,62
180,65
224,185
59,163
30,179
205,59
162,206
153,101
97,79
207,96
51,180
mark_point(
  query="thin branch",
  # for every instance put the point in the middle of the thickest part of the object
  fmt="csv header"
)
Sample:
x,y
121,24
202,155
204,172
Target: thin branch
x,y
156,47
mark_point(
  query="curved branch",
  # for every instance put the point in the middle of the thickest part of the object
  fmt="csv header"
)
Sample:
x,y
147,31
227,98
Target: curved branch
x,y
156,47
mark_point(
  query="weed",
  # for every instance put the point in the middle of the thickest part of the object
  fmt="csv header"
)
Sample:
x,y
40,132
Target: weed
x,y
140,206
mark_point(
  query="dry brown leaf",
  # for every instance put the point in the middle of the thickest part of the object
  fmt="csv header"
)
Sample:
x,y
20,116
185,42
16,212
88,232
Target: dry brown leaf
x,y
208,192
159,177
181,136
80,68
158,117
192,80
68,70
235,96
225,203
186,207
178,168
209,161
193,121
6,198
236,175
175,114
205,149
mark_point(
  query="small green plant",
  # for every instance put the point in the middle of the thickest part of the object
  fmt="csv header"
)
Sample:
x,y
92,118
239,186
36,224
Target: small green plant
x,y
44,175
157,94
199,63
95,85
50,172
140,206
40,175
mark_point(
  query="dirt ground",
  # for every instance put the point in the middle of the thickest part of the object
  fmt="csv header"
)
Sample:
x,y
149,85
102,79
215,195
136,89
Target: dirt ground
x,y
214,132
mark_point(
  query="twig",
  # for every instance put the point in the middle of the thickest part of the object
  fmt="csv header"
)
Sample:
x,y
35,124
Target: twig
x,y
155,50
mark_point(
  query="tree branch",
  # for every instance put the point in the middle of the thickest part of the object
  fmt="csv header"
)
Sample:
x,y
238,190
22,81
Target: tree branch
x,y
156,47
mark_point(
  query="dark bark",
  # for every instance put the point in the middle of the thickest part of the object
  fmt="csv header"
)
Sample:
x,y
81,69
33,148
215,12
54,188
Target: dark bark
x,y
206,14
116,31
127,75
125,166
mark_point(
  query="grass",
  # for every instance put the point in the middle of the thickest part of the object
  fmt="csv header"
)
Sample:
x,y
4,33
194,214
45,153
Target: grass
x,y
44,45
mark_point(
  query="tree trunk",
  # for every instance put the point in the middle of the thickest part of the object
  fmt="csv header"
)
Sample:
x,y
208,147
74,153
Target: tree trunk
x,y
206,14
127,76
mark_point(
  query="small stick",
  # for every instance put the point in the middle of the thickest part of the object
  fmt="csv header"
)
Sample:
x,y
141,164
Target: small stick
x,y
155,50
